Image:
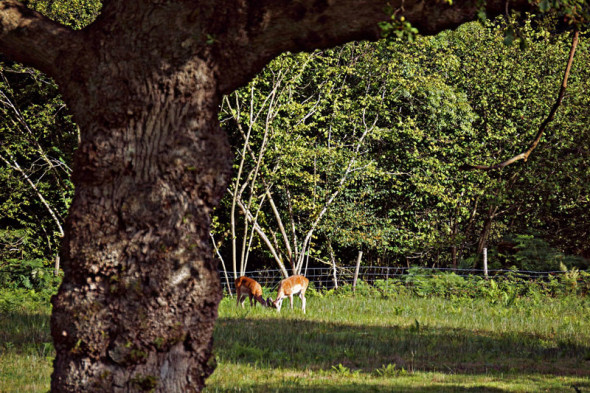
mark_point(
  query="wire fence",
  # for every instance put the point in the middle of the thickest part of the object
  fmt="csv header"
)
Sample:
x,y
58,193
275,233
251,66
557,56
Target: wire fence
x,y
323,277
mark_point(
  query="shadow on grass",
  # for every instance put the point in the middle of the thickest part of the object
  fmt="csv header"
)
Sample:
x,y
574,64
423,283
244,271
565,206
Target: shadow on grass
x,y
25,333
310,345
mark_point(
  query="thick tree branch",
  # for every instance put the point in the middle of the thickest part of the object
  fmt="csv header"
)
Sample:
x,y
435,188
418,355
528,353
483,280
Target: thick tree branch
x,y
525,155
30,38
260,30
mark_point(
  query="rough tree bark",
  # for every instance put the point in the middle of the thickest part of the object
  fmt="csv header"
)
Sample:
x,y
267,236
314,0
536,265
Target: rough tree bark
x,y
139,298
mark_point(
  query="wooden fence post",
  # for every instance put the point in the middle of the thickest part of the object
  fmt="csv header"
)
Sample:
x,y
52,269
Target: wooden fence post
x,y
356,271
485,262
56,269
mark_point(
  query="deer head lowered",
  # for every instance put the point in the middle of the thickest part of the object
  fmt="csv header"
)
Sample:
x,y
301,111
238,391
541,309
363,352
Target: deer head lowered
x,y
247,286
288,287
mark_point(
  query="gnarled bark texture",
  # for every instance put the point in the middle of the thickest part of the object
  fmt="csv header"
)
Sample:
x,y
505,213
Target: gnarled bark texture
x,y
139,298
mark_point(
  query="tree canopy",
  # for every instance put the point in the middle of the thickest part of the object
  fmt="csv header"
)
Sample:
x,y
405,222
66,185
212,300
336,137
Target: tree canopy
x,y
409,117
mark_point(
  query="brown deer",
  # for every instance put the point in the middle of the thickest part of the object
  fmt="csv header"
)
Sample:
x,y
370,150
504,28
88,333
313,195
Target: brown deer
x,y
288,287
247,286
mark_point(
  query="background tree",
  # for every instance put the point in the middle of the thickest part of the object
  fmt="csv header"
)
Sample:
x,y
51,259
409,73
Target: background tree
x,y
36,148
309,147
436,110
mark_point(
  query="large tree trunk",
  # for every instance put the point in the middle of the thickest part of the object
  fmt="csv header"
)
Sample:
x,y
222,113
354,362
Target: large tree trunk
x,y
139,298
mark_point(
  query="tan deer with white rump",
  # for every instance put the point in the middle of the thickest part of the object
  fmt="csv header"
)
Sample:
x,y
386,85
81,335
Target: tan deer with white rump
x,y
247,286
288,287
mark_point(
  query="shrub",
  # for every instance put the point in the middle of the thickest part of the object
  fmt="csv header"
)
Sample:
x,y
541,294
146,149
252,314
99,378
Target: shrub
x,y
426,283
535,254
28,274
14,300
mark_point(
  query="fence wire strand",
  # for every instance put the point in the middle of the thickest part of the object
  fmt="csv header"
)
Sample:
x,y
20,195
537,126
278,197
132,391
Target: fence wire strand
x,y
323,277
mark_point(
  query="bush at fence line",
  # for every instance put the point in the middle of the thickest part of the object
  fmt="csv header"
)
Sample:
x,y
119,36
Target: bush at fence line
x,y
500,289
365,289
17,299
495,293
362,289
497,289
391,287
571,282
533,253
426,283
34,274
379,288
312,291
342,290
570,278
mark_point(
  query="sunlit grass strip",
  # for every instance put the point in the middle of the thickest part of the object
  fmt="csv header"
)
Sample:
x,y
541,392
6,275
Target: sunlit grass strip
x,y
564,319
230,377
24,373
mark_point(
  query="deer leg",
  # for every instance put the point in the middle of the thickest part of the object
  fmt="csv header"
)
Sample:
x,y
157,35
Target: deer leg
x,y
302,297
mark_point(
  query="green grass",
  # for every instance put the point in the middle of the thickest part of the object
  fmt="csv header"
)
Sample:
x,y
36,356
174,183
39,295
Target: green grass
x,y
406,344
400,343
26,351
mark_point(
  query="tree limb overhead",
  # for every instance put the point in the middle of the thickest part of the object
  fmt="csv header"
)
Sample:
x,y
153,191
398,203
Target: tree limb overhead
x,y
30,38
260,30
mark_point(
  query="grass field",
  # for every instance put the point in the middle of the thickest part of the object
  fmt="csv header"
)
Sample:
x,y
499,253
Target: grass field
x,y
364,344
26,351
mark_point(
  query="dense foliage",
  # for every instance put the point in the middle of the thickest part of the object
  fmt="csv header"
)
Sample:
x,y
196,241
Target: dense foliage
x,y
361,147
364,148
38,138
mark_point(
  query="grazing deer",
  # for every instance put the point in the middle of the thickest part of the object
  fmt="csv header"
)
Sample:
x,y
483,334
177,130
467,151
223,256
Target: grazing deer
x,y
247,286
289,287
